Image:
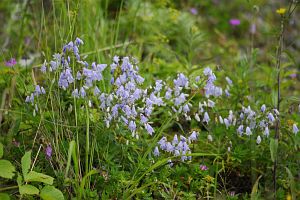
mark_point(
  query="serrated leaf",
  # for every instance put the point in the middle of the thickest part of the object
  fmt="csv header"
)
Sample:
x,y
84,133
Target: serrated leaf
x,y
28,189
4,196
38,177
51,193
26,161
6,169
273,148
1,150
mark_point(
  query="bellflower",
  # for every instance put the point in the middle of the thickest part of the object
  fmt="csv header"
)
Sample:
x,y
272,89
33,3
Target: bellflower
x,y
295,129
248,131
149,129
266,132
206,118
258,140
263,108
193,136
156,152
271,117
175,140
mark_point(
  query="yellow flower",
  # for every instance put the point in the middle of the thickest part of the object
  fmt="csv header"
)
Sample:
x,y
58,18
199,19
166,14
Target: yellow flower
x,y
288,197
281,11
290,122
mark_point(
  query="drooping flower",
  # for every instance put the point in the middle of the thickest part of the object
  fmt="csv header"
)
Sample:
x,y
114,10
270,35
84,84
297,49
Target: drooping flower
x,y
266,132
240,130
197,117
271,117
258,140
206,118
263,108
193,136
78,41
295,129
175,140
221,120
156,151
82,92
43,68
229,81
226,122
149,128
248,131
162,143
210,103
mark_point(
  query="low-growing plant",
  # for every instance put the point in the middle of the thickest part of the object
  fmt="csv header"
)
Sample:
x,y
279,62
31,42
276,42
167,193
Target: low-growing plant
x,y
29,182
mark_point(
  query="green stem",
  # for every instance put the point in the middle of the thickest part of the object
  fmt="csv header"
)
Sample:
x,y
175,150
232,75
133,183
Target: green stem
x,y
9,188
87,146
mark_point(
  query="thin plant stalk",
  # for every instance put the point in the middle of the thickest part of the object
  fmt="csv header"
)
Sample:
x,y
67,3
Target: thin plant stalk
x,y
278,68
87,140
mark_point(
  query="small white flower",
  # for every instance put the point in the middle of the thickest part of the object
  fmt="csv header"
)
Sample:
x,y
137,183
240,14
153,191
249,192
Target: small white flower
x,y
258,140
267,132
227,123
210,103
248,131
197,117
221,120
156,151
210,138
206,118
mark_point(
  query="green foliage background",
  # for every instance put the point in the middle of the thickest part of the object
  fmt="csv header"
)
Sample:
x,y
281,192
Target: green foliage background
x,y
166,38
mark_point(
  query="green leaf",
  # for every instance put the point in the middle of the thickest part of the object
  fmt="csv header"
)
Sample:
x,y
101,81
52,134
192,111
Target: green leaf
x,y
6,169
274,97
273,148
19,179
291,183
4,196
90,173
254,192
51,193
26,161
1,150
28,189
38,177
71,148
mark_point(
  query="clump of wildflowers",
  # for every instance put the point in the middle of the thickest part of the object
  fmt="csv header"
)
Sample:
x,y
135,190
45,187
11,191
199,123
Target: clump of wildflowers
x,y
130,103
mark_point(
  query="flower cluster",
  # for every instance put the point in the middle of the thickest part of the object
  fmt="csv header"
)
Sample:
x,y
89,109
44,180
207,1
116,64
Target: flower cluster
x,y
127,101
39,90
178,147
